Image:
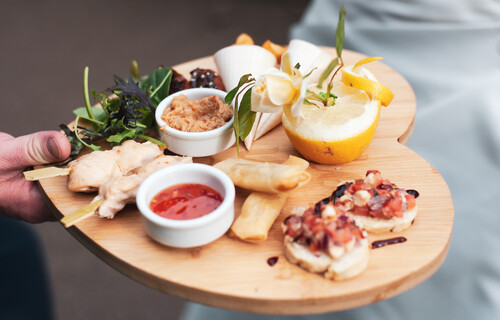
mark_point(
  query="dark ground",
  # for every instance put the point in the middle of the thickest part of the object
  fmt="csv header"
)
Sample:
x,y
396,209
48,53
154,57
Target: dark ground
x,y
44,47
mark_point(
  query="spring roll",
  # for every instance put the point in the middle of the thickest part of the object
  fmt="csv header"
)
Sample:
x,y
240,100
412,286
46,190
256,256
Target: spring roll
x,y
265,176
257,215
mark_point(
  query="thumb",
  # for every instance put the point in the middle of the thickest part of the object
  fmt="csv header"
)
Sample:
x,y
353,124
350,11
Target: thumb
x,y
37,148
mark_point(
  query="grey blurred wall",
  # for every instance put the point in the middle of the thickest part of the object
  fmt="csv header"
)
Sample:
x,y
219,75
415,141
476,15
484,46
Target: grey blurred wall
x,y
44,46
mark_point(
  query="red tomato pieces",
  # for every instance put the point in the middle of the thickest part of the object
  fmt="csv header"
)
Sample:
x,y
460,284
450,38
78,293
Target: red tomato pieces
x,y
386,200
319,233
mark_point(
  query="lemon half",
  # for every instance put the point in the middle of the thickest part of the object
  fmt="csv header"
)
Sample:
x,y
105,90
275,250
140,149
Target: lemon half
x,y
337,134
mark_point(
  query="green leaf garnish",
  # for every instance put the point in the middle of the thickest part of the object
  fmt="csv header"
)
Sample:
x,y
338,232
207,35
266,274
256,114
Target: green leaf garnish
x,y
308,101
327,71
337,62
322,95
86,92
148,138
85,143
157,85
231,94
99,113
339,38
116,139
328,96
134,71
307,75
75,143
322,98
244,117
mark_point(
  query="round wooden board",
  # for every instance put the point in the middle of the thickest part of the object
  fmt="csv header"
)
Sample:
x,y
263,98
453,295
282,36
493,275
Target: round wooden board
x,y
232,274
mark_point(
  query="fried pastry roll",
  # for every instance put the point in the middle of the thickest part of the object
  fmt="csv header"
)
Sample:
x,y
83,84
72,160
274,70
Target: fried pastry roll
x,y
257,215
265,176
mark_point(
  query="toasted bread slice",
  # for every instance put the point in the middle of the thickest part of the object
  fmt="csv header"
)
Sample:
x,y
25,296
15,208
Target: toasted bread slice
x,y
350,264
378,225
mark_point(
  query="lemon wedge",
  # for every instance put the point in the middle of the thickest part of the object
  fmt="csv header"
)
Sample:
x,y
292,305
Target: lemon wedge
x,y
338,134
360,78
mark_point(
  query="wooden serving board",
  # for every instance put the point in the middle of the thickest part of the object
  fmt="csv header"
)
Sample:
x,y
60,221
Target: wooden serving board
x,y
232,274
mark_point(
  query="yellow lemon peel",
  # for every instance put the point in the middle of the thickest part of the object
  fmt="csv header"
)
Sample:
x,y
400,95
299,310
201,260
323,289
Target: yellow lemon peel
x,y
362,79
365,61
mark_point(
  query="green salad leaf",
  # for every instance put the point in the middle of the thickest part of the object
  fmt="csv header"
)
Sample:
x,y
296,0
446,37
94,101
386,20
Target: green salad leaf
x,y
99,113
157,85
127,110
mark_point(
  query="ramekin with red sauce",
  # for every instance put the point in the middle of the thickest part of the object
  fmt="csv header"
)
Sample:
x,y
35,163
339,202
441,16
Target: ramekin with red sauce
x,y
192,229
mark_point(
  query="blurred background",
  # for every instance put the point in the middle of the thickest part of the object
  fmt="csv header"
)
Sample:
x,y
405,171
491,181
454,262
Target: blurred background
x,y
45,46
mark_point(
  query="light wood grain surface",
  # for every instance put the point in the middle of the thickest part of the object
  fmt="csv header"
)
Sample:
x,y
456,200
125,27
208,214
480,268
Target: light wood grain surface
x,y
232,274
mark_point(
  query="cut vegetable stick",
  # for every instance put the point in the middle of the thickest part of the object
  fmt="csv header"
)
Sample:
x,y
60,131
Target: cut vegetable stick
x,y
50,172
81,214
267,122
257,215
250,138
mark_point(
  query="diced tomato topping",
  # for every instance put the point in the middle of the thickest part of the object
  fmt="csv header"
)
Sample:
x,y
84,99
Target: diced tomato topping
x,y
293,225
308,212
309,220
342,235
318,226
356,232
314,246
358,185
344,206
361,211
410,199
387,212
393,208
377,178
385,202
377,214
396,205
372,171
384,193
350,189
331,228
340,209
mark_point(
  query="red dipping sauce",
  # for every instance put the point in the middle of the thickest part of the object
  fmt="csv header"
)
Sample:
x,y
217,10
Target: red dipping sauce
x,y
186,201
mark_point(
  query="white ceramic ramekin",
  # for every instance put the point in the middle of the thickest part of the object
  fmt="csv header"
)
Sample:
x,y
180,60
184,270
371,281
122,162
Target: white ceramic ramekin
x,y
195,144
193,232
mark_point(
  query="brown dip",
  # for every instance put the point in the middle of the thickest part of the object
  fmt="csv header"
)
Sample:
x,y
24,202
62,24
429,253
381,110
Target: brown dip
x,y
197,116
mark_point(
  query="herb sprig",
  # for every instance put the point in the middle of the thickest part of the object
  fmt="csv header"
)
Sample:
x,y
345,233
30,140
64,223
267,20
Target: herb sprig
x,y
327,98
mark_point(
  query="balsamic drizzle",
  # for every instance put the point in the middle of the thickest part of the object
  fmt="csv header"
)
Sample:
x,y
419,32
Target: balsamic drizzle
x,y
383,243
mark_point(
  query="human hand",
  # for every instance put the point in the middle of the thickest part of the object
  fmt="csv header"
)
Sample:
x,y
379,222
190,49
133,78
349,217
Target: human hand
x,y
19,198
